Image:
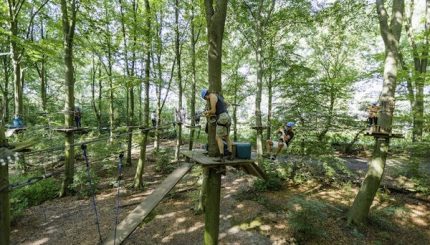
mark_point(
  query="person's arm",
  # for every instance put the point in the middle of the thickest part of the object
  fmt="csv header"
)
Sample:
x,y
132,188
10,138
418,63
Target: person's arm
x,y
213,99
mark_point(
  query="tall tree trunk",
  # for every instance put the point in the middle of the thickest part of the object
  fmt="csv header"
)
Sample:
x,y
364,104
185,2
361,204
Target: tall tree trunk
x,y
14,9
129,86
4,204
68,22
270,90
97,109
390,35
16,61
5,91
193,76
138,182
108,69
215,21
178,61
235,107
420,69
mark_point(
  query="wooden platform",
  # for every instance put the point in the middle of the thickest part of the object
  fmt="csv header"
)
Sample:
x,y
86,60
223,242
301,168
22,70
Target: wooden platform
x,y
383,135
69,130
136,217
247,165
11,131
259,127
189,126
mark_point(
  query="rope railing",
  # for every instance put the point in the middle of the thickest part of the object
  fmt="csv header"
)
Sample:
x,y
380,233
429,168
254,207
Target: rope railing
x,y
36,179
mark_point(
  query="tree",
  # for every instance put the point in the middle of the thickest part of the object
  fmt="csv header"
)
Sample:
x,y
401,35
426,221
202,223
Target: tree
x,y
69,10
390,34
419,47
215,20
138,183
178,62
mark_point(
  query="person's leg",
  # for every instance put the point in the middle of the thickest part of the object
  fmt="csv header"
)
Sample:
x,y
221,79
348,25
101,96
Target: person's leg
x,y
220,145
280,147
269,144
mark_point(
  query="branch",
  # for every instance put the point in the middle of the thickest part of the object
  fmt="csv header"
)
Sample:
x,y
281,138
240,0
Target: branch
x,y
209,11
383,20
18,7
172,70
409,86
34,15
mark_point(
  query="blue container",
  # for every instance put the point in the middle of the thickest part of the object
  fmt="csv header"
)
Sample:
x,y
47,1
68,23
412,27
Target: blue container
x,y
243,150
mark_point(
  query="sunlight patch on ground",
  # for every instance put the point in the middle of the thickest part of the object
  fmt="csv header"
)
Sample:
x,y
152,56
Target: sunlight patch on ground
x,y
44,240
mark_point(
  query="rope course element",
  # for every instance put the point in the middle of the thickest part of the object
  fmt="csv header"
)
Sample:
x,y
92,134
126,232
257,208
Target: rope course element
x,y
94,204
121,157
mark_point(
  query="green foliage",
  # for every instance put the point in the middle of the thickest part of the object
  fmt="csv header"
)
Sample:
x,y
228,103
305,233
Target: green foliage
x,y
163,158
306,218
82,184
273,183
31,195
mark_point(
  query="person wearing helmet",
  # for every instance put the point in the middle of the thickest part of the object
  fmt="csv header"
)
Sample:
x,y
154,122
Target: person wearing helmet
x,y
286,134
372,120
218,110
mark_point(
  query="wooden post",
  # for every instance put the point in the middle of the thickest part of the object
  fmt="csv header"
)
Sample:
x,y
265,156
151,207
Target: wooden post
x,y
212,206
4,199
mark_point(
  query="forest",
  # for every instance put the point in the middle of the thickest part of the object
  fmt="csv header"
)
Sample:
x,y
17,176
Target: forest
x,y
214,122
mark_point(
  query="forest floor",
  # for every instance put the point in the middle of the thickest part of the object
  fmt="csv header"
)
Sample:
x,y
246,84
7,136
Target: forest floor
x,y
306,213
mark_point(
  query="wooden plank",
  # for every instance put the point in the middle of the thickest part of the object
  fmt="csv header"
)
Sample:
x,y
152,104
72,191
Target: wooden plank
x,y
197,156
135,218
384,135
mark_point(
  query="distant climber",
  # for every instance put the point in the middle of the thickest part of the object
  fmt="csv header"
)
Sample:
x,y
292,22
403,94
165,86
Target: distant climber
x,y
78,115
372,120
285,135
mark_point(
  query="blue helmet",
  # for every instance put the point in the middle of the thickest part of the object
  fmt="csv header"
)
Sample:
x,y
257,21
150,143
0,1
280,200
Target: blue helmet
x,y
204,93
290,124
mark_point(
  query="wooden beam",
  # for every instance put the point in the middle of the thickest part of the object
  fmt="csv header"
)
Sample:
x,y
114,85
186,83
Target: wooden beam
x,y
199,157
136,217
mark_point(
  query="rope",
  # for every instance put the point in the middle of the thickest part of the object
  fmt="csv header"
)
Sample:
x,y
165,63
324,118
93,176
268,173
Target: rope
x,y
84,152
121,157
160,127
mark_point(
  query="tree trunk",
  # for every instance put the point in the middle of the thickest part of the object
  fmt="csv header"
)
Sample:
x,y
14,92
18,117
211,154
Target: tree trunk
x,y
235,109
68,23
259,60
193,77
5,94
215,20
178,61
4,205
16,61
138,182
391,35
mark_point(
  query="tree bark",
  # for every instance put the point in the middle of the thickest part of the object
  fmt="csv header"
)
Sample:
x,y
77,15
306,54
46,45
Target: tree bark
x,y
68,23
390,35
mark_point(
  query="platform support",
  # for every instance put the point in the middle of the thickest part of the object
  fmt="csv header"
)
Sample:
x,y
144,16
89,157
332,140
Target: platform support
x,y
212,205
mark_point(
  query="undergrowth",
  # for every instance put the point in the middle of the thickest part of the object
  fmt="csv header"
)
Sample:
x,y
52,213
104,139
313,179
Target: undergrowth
x,y
31,195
